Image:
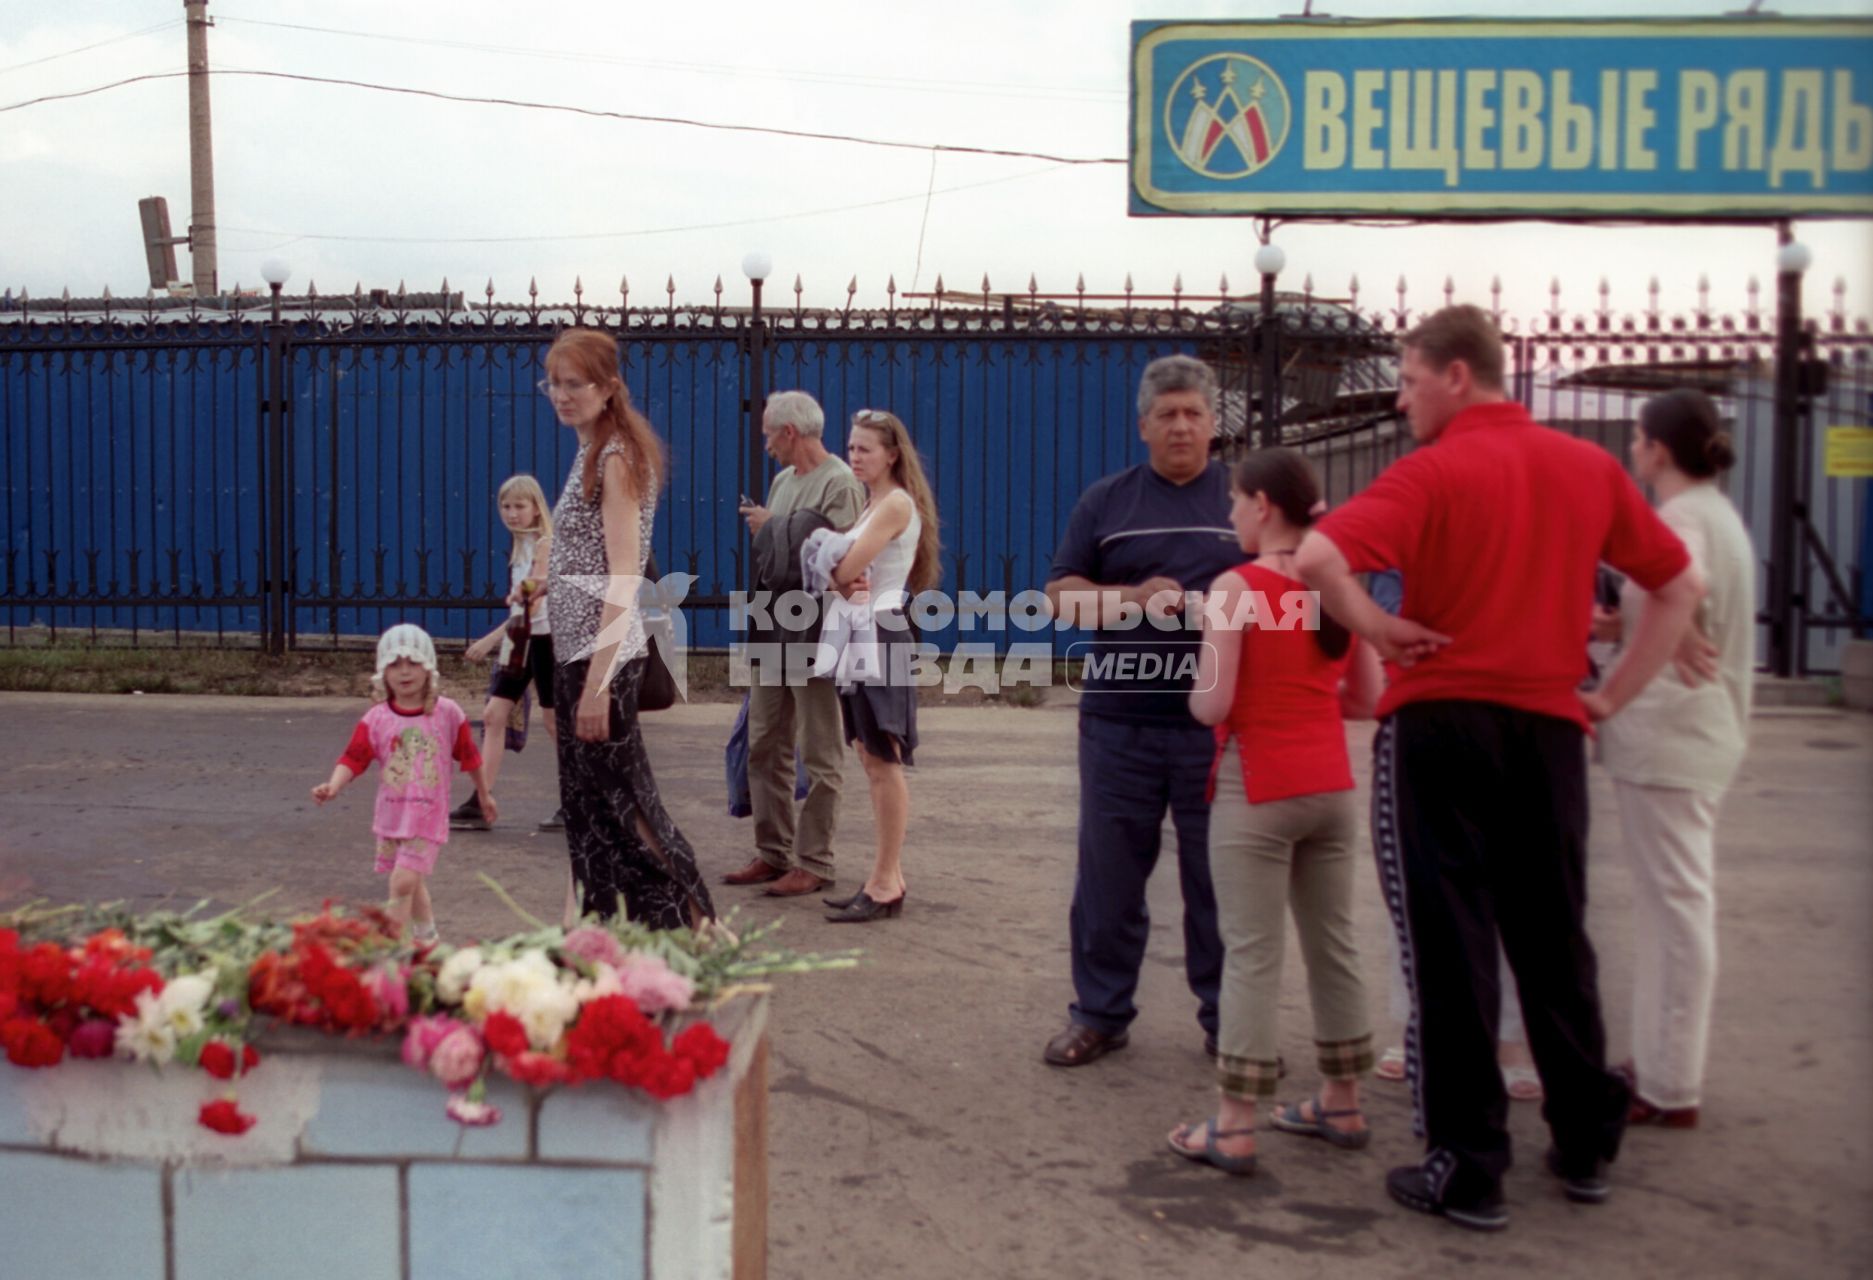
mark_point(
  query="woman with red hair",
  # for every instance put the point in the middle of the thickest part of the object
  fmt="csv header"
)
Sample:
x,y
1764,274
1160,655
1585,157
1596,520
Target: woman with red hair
x,y
626,851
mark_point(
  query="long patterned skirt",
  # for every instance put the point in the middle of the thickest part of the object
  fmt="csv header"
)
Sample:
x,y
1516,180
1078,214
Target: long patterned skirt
x,y
604,787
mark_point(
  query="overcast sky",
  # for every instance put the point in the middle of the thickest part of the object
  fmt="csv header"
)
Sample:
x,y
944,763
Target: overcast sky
x,y
354,186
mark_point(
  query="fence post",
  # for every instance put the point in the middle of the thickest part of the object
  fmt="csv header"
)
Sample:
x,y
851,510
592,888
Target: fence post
x,y
1269,260
756,266
1785,479
274,632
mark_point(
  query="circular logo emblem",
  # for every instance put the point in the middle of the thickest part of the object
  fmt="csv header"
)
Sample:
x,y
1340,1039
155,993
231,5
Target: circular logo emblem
x,y
1227,115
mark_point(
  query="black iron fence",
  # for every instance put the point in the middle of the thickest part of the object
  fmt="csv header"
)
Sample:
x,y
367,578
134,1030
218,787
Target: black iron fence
x,y
308,475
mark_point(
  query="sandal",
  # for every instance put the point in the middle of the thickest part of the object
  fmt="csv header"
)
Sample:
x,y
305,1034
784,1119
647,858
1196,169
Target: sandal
x,y
1236,1166
1290,1119
1523,1084
1080,1044
1391,1065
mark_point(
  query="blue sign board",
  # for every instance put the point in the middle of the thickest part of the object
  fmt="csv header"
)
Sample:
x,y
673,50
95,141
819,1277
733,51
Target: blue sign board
x,y
1720,119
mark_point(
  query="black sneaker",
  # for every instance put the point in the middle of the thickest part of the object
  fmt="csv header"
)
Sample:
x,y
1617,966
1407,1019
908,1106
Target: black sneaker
x,y
467,816
555,823
1587,1186
1410,1185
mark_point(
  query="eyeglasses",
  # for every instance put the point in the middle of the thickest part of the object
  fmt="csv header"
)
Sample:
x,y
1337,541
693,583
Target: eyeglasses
x,y
871,415
548,387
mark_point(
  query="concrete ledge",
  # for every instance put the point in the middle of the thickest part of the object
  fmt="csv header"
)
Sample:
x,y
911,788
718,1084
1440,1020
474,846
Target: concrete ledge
x,y
1777,691
1856,674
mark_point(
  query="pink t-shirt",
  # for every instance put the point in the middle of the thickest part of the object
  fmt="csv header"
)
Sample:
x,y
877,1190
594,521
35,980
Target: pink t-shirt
x,y
415,749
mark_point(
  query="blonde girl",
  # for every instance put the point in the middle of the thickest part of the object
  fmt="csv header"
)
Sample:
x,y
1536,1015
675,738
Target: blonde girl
x,y
414,733
523,508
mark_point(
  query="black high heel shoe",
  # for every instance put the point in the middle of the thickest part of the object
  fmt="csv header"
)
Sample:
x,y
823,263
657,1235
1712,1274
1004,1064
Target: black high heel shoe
x,y
863,909
840,904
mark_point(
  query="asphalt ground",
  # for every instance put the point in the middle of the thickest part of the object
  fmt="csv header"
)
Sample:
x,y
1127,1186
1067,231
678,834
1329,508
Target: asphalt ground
x,y
915,1130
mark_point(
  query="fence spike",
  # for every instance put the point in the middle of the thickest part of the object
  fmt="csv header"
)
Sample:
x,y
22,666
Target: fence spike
x,y
66,294
533,287
312,287
624,284
890,285
718,286
669,286
489,290
797,286
939,284
1307,284
1177,283
578,286
1128,281
445,287
1222,285
401,291
107,293
1034,285
1080,282
851,286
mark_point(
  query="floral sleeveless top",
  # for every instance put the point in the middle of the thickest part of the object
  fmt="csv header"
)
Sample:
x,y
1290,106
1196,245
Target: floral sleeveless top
x,y
577,575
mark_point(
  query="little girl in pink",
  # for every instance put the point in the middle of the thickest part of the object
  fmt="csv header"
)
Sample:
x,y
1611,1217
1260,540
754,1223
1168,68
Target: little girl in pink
x,y
414,733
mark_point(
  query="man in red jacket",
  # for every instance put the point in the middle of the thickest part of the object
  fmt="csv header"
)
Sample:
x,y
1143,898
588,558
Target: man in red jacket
x,y
1479,766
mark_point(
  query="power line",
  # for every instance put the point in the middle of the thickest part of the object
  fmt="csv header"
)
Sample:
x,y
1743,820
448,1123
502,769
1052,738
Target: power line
x,y
765,218
979,88
128,35
595,112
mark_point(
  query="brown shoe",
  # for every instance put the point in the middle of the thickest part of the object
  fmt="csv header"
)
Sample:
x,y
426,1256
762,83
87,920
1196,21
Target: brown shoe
x,y
797,883
1079,1044
759,871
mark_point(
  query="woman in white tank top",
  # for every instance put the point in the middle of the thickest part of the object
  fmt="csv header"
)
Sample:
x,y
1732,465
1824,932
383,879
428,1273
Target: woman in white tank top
x,y
893,556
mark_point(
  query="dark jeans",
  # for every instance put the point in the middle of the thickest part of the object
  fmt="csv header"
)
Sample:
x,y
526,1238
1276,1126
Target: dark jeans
x,y
1129,775
1479,822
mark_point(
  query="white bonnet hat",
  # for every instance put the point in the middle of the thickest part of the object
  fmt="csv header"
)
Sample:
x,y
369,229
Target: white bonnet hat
x,y
407,640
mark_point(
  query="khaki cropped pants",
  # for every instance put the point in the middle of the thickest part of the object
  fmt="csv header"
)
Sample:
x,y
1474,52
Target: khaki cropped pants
x,y
1266,859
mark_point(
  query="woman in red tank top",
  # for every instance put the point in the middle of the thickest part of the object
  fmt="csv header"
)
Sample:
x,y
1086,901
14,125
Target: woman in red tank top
x,y
1278,678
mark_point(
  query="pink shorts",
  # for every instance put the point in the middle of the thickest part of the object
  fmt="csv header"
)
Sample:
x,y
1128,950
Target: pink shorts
x,y
412,854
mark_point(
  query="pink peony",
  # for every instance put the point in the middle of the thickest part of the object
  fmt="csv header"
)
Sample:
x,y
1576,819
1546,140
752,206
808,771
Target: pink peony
x,y
389,985
93,1038
594,946
423,1037
457,1058
472,1114
651,984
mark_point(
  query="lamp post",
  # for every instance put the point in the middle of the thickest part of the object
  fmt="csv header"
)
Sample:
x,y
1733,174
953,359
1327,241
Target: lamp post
x,y
1785,592
757,266
276,273
1269,260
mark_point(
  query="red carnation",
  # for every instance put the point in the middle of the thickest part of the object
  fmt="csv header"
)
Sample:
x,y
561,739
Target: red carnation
x,y
505,1035
46,974
537,1069
218,1059
95,1038
224,1116
30,1043
702,1048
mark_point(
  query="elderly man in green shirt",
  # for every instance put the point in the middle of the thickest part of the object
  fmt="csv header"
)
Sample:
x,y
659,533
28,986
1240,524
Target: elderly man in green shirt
x,y
793,853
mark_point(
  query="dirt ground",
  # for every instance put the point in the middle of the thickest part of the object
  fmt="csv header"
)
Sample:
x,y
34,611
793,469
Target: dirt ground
x,y
916,1132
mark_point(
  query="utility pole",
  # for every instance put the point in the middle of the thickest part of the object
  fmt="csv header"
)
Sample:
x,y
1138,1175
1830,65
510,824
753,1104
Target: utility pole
x,y
201,157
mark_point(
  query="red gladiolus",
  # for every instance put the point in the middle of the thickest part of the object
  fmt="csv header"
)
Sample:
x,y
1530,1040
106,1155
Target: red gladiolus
x,y
30,1043
224,1116
505,1035
218,1060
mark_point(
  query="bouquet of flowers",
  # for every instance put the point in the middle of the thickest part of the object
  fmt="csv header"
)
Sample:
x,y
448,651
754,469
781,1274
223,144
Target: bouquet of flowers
x,y
549,1008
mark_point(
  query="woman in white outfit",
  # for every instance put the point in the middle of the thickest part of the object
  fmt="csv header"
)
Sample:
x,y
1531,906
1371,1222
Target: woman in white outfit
x,y
1672,753
893,557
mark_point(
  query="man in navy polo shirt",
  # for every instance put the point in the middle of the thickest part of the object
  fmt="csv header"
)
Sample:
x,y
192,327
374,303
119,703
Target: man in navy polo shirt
x,y
1135,542
1479,807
